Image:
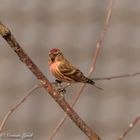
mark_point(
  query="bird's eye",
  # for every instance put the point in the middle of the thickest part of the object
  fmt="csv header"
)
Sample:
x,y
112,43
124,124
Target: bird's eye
x,y
58,54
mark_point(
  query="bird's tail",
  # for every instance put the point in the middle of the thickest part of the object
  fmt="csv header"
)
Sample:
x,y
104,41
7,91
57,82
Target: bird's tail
x,y
89,81
98,87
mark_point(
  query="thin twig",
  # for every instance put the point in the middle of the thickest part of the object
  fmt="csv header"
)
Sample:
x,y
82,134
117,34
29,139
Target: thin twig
x,y
131,125
5,119
117,76
6,34
91,70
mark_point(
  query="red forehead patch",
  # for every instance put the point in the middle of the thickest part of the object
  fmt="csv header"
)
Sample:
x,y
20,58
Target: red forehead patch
x,y
54,50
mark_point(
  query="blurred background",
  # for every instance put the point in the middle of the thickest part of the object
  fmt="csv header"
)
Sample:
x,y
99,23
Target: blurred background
x,y
73,27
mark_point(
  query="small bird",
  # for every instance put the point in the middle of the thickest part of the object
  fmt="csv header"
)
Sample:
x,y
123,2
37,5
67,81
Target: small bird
x,y
64,71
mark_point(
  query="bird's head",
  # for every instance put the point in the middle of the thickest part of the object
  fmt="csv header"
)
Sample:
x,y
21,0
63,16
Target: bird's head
x,y
55,54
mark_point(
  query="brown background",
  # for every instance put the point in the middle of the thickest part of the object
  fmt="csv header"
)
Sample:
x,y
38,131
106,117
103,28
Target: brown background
x,y
74,27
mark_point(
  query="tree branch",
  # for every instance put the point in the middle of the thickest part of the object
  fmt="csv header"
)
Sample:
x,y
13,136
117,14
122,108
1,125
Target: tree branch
x,y
6,34
131,125
5,119
91,70
117,76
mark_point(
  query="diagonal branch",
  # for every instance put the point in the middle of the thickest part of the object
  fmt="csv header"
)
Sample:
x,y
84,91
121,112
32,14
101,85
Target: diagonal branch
x,y
102,35
131,125
6,34
6,117
91,70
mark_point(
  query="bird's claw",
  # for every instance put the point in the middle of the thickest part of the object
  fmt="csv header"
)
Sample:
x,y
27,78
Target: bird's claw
x,y
58,81
62,91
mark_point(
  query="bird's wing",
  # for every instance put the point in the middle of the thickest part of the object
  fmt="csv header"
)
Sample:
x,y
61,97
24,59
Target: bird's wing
x,y
69,71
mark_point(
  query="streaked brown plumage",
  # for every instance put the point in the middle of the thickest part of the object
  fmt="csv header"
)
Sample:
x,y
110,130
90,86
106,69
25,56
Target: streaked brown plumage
x,y
64,71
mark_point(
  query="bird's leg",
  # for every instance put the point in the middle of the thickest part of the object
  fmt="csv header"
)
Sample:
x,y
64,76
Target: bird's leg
x,y
57,83
62,90
59,87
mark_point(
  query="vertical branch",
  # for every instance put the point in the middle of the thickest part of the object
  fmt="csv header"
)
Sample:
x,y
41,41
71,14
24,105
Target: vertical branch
x,y
6,34
91,70
102,36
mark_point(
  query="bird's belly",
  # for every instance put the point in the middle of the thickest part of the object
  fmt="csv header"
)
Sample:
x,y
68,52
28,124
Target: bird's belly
x,y
58,75
56,72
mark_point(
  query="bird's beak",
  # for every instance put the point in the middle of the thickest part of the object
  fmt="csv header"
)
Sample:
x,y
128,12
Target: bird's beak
x,y
51,56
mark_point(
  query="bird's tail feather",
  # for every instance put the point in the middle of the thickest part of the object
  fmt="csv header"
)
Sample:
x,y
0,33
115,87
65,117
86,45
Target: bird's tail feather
x,y
90,81
98,87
